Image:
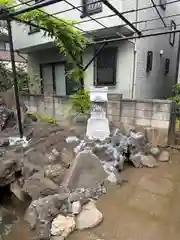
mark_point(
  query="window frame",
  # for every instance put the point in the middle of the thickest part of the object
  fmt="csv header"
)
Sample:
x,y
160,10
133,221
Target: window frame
x,y
113,82
173,27
86,13
53,64
3,46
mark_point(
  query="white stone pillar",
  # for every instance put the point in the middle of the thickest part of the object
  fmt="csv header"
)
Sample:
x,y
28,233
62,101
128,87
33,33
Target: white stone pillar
x,y
98,124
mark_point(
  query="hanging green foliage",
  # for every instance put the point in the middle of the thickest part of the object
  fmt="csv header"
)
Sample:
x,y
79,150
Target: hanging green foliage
x,y
70,41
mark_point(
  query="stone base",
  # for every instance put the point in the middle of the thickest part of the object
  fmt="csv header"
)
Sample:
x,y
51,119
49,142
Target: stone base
x,y
98,128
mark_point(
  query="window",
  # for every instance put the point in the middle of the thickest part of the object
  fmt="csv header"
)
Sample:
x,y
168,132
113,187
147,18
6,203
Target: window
x,y
106,67
71,84
55,79
167,64
91,7
172,35
7,47
149,61
2,46
163,4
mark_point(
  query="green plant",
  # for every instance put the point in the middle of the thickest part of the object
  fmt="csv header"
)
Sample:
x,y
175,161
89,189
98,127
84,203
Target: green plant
x,y
176,93
43,118
7,82
81,102
70,41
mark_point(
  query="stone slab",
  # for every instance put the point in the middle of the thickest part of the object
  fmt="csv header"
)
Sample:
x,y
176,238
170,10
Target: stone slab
x,y
85,172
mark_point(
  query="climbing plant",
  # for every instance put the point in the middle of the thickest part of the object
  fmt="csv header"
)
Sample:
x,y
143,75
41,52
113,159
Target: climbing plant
x,y
6,77
70,41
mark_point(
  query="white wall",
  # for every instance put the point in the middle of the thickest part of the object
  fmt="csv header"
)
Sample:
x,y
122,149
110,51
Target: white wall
x,y
155,84
23,40
123,74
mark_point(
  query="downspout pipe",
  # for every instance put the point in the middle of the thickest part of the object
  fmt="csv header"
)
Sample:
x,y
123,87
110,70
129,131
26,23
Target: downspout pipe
x,y
178,61
134,57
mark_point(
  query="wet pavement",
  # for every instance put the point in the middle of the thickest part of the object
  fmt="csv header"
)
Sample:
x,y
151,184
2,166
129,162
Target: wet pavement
x,y
145,208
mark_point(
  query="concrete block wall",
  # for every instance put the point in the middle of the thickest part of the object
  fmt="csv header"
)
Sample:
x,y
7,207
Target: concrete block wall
x,y
152,115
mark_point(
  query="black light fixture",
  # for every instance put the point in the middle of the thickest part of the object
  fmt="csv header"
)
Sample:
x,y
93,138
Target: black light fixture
x,y
149,61
167,64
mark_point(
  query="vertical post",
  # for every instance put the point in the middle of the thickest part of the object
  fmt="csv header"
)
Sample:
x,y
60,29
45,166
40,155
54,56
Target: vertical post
x,y
16,90
82,78
172,124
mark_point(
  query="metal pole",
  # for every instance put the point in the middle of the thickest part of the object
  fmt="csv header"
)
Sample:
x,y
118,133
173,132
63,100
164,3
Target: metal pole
x,y
4,16
154,5
177,62
135,37
111,7
16,90
94,57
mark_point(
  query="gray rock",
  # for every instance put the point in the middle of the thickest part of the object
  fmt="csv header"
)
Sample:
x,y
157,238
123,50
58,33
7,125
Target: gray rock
x,y
31,216
148,161
138,140
36,158
80,147
164,156
120,163
155,151
67,157
85,172
136,160
89,217
39,186
62,226
17,190
8,169
28,169
71,139
55,172
76,207
41,212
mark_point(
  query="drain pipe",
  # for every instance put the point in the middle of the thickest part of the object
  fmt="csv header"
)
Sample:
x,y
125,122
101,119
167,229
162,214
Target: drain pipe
x,y
134,58
178,61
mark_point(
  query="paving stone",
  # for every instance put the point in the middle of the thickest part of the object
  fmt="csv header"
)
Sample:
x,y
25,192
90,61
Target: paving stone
x,y
150,203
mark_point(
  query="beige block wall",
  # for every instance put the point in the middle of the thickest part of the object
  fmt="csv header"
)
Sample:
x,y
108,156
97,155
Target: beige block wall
x,y
153,115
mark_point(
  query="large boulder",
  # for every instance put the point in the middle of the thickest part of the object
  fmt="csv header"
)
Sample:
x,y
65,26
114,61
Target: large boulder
x,y
89,217
55,172
8,169
62,226
39,186
85,172
41,212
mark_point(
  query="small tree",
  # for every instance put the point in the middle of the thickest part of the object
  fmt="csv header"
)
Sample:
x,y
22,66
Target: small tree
x,y
6,77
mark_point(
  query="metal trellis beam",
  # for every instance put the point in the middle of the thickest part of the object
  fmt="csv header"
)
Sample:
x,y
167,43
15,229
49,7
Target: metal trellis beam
x,y
28,9
110,6
94,57
135,37
53,16
93,19
154,5
16,89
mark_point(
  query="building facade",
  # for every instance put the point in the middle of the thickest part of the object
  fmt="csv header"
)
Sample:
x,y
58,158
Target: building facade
x,y
136,68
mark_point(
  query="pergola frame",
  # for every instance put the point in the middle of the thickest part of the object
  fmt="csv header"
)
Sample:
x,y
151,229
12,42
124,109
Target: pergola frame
x,y
8,16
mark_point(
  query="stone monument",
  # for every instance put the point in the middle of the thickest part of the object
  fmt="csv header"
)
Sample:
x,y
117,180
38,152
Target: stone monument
x,y
98,124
